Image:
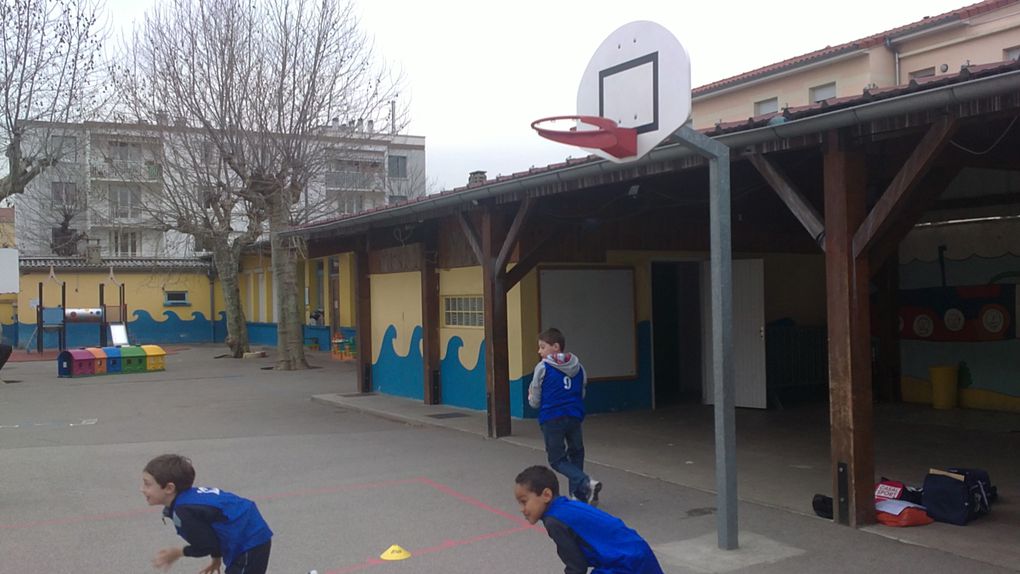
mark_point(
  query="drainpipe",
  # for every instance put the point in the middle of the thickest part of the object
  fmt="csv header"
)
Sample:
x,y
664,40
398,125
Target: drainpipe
x,y
896,60
212,304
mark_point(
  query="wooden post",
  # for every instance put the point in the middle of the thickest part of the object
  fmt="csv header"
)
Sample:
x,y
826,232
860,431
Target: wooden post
x,y
497,369
430,315
363,319
850,408
887,315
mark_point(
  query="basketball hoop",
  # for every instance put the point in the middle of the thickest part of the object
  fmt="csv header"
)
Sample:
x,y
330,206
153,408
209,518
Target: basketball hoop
x,y
617,141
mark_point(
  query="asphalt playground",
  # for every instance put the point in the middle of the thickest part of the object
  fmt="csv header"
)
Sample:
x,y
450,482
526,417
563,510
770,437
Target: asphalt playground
x,y
341,483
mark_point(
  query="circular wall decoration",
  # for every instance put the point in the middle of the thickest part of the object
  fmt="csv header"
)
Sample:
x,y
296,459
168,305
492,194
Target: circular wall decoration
x,y
993,319
923,326
954,320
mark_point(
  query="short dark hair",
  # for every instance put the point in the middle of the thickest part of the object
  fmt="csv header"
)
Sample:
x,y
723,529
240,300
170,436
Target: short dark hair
x,y
553,336
167,468
538,478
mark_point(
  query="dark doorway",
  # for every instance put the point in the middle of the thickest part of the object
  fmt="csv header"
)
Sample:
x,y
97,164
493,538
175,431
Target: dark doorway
x,y
676,332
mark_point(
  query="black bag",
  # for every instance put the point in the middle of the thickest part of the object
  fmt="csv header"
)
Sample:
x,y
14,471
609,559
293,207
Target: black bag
x,y
822,505
954,498
981,477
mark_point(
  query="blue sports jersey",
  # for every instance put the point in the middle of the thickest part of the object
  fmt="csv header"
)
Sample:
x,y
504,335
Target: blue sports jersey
x,y
608,545
241,527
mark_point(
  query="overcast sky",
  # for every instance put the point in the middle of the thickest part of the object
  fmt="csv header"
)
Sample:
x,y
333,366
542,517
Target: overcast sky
x,y
479,72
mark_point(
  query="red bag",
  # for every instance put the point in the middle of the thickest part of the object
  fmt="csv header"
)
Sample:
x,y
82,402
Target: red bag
x,y
909,517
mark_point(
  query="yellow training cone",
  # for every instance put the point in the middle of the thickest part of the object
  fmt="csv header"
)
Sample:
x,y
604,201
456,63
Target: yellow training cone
x,y
395,552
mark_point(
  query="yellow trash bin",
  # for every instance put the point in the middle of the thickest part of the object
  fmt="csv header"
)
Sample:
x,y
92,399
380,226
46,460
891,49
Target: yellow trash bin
x,y
943,386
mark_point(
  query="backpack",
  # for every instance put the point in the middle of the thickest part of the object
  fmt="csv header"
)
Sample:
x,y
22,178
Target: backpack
x,y
954,497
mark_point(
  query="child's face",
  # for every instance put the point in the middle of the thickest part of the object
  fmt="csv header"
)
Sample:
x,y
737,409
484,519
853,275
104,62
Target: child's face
x,y
154,493
532,505
546,349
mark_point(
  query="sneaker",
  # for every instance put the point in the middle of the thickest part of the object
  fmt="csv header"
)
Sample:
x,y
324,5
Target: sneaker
x,y
572,497
594,487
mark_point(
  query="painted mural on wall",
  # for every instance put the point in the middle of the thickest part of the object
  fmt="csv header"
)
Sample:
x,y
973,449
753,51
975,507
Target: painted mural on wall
x,y
399,372
142,329
966,313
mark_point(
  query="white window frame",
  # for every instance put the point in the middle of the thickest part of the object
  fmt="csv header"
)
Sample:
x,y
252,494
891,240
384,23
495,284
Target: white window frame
x,y
121,210
1011,53
922,73
821,92
396,166
176,298
65,146
464,311
767,106
125,243
65,199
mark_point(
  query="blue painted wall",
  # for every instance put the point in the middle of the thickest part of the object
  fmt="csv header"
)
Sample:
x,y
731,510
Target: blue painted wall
x,y
464,388
143,329
399,374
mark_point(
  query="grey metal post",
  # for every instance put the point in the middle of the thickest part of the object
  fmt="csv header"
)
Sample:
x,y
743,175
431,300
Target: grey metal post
x,y
722,335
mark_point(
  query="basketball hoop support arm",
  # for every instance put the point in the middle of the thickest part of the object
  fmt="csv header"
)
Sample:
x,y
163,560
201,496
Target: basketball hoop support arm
x,y
722,335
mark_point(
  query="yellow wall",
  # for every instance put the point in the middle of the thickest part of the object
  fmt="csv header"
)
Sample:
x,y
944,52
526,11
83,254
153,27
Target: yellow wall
x,y
397,298
253,295
143,291
460,281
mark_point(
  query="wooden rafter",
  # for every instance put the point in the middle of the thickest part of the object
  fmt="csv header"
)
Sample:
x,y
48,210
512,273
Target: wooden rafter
x,y
791,196
472,236
513,234
901,191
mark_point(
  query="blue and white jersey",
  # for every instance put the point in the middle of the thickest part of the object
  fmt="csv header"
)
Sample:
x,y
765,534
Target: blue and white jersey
x,y
557,387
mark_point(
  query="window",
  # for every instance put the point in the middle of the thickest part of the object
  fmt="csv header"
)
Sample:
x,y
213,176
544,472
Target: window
x,y
64,148
823,92
353,174
766,106
124,243
175,299
64,241
125,151
1011,53
350,203
925,73
463,311
397,166
125,202
64,197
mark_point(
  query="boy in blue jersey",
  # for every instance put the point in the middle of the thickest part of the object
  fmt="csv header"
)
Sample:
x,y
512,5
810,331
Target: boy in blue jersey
x,y
585,537
557,391
213,522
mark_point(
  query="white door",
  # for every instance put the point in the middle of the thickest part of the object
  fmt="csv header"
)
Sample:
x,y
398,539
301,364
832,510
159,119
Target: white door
x,y
748,352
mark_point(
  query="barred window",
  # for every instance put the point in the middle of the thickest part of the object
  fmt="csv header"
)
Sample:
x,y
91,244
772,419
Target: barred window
x,y
463,311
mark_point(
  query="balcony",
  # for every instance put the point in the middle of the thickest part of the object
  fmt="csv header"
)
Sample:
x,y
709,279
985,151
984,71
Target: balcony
x,y
126,170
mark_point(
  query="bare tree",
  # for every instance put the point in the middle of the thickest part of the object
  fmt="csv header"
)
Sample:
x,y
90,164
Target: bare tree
x,y
50,54
262,81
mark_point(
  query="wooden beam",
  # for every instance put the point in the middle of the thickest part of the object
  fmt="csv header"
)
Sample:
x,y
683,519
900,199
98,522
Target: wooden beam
x,y
939,178
497,368
847,301
801,208
511,236
900,192
526,263
430,313
471,235
363,318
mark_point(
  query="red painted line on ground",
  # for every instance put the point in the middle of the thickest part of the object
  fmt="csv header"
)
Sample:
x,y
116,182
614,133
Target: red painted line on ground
x,y
473,501
446,545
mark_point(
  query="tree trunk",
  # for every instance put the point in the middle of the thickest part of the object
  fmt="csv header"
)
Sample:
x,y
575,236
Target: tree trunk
x,y
237,326
289,336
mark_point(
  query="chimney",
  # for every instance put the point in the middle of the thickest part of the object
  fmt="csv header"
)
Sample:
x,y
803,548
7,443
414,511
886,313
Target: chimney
x,y
476,178
360,124
393,117
371,126
336,122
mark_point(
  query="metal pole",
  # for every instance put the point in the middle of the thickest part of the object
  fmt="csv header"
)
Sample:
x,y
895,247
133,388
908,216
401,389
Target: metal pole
x,y
722,335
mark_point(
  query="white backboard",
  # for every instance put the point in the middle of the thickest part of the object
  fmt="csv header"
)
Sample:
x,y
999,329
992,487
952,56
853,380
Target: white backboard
x,y
639,77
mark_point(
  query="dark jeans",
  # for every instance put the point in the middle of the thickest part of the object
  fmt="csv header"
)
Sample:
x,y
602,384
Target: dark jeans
x,y
5,353
254,561
564,445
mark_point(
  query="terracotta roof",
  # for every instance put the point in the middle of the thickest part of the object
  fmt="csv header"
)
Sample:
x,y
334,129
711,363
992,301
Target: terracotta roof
x,y
867,96
118,263
862,43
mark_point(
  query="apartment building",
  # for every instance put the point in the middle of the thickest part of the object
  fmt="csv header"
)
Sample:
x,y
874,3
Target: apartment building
x,y
103,194
982,33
